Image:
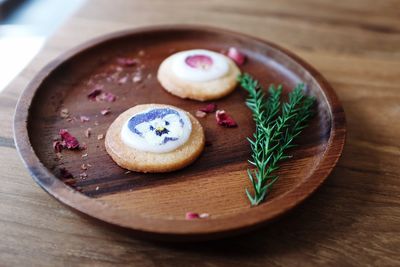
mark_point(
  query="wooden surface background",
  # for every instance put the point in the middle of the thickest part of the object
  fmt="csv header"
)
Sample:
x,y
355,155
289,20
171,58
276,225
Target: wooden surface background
x,y
353,220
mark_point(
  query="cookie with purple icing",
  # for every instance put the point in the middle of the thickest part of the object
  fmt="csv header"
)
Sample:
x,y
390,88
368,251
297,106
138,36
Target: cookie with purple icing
x,y
154,138
198,74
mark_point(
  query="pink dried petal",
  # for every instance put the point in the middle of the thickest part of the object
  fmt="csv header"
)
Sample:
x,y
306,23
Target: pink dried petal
x,y
224,119
199,61
58,146
127,62
200,114
236,56
105,111
70,141
65,173
209,108
94,93
84,118
191,216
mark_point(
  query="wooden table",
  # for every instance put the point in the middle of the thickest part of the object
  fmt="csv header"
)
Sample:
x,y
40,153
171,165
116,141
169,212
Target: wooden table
x,y
354,219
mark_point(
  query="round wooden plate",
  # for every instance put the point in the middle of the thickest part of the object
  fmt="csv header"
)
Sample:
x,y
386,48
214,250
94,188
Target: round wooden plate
x,y
154,205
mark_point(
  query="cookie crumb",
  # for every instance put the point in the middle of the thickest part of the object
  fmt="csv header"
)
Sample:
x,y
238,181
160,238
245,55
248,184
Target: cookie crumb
x,y
200,114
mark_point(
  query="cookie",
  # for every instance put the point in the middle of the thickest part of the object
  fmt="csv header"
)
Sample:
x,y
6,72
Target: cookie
x,y
154,138
198,74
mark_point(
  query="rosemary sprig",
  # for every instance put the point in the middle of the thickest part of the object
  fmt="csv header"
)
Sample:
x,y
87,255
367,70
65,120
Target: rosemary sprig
x,y
277,125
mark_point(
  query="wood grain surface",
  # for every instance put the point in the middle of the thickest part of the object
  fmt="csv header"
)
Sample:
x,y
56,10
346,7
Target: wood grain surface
x,y
353,220
215,184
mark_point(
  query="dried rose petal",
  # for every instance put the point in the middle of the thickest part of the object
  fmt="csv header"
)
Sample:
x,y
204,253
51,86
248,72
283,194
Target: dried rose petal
x,y
65,173
236,56
84,118
127,62
191,216
94,93
209,108
200,114
199,61
105,111
70,141
58,146
224,119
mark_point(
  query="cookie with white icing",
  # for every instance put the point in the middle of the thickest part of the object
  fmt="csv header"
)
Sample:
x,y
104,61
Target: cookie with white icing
x,y
198,74
154,138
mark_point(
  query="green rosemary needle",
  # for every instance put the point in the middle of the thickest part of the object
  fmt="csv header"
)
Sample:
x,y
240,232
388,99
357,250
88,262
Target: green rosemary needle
x,y
277,125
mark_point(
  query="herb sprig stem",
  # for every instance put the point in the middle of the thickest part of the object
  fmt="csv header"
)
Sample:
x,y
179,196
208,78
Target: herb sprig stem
x,y
277,125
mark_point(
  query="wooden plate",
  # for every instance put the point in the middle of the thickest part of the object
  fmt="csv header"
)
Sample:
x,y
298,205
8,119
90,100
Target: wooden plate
x,y
155,205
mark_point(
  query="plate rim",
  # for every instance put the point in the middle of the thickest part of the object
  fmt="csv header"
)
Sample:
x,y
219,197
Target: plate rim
x,y
179,229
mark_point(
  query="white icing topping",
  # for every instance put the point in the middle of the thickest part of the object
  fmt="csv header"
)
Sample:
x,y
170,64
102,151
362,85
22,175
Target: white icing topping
x,y
157,130
218,68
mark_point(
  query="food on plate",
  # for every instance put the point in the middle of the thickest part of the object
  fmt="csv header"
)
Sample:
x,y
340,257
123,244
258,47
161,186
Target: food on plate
x,y
154,138
198,74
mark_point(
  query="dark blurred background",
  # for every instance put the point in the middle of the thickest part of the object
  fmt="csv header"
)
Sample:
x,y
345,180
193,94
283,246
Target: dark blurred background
x,y
24,27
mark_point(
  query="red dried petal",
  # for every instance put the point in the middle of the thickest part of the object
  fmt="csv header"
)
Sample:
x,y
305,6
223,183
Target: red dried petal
x,y
58,146
84,118
236,56
224,119
94,93
70,141
127,62
199,61
209,108
192,216
65,173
